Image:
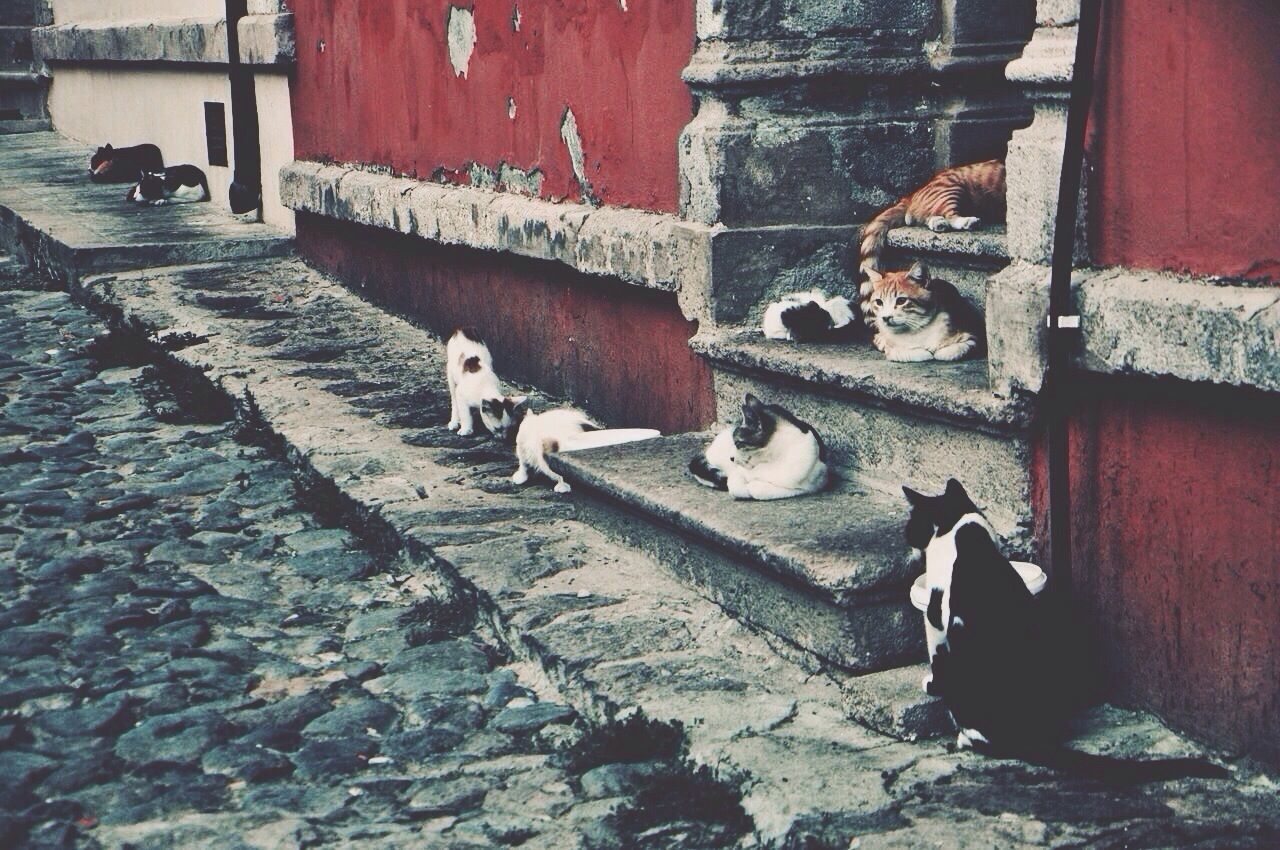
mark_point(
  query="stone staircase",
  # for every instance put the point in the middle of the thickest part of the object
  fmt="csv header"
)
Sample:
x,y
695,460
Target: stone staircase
x,y
829,574
24,87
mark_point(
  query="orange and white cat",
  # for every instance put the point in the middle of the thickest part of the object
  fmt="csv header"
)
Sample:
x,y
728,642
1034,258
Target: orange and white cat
x,y
920,318
958,198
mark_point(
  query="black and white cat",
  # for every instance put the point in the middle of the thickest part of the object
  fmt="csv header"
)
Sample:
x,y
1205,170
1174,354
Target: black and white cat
x,y
807,317
178,184
541,433
770,455
124,165
1005,671
474,388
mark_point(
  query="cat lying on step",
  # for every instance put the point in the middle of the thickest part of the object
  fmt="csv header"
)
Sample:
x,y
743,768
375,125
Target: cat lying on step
x,y
546,432
807,316
958,198
1006,671
918,317
124,165
178,184
474,387
770,455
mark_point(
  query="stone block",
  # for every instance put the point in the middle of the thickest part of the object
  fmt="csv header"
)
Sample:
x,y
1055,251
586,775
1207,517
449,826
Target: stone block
x,y
267,39
201,40
1017,305
893,702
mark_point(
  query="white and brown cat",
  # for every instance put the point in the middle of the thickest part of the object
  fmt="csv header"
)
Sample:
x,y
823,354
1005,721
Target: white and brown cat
x,y
770,455
918,317
474,388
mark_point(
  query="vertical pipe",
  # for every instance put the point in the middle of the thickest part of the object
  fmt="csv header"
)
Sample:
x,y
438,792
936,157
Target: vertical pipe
x,y
1056,393
246,177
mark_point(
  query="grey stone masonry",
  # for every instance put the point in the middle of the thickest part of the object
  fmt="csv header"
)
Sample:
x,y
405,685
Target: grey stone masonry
x,y
23,85
265,40
56,219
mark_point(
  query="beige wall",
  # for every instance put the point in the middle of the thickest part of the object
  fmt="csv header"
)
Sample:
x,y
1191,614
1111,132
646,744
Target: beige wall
x,y
275,135
74,11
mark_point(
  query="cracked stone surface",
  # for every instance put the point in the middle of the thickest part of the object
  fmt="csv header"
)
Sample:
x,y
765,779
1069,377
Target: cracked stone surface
x,y
357,400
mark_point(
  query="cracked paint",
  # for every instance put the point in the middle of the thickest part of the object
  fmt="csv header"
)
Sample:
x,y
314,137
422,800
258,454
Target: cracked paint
x,y
462,39
573,141
511,108
515,18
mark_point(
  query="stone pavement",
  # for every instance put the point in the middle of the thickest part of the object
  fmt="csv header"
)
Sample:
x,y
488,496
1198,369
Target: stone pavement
x,y
195,653
193,658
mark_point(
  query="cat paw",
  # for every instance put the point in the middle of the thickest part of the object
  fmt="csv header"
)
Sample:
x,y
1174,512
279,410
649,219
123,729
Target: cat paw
x,y
454,425
955,351
466,430
964,222
520,477
962,741
909,355
927,684
562,487
937,224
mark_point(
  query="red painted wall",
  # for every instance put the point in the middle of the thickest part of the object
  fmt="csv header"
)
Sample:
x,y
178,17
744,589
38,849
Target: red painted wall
x,y
620,351
1186,134
1176,500
383,91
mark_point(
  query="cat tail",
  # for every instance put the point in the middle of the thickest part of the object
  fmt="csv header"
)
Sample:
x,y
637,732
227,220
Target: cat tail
x,y
204,184
706,474
876,233
1119,771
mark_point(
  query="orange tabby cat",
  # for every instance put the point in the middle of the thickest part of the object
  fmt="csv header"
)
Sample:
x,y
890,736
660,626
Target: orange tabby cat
x,y
959,198
919,318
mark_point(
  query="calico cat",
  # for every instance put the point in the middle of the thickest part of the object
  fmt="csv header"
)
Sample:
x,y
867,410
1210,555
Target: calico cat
x,y
918,317
544,432
807,316
770,455
959,198
1001,666
124,165
473,386
178,184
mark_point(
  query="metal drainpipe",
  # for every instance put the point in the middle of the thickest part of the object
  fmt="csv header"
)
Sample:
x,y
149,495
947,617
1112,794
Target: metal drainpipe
x,y
246,178
1063,323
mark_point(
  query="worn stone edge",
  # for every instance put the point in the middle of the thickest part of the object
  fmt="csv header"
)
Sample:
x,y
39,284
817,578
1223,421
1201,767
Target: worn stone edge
x,y
1162,325
654,250
264,40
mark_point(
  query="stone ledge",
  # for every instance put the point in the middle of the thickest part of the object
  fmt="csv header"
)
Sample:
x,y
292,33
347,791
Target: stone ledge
x,y
1160,324
265,40
1047,60
648,249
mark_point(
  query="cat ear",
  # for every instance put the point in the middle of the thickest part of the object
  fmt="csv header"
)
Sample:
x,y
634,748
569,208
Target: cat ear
x,y
106,147
956,490
914,498
919,274
873,276
750,402
519,401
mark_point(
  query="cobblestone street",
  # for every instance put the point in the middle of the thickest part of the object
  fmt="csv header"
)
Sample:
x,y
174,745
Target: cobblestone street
x,y
191,658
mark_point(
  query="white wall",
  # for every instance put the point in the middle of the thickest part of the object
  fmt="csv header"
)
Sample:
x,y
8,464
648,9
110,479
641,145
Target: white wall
x,y
76,11
275,138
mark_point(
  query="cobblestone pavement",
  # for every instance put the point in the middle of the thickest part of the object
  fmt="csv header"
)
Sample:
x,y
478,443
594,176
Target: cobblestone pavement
x,y
192,658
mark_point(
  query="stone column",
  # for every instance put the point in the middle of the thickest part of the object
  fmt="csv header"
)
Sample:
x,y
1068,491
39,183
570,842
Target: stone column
x,y
1018,297
812,116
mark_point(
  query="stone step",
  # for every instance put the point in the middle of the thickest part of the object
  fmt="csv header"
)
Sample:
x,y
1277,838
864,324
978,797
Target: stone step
x,y
15,47
887,423
893,702
25,125
22,94
59,221
828,572
18,12
964,259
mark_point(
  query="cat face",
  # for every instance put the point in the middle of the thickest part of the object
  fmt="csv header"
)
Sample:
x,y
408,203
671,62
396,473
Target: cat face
x,y
757,425
502,416
901,302
100,162
935,515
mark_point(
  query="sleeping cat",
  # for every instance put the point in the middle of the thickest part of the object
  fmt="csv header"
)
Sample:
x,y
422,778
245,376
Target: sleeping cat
x,y
473,386
807,316
770,455
545,432
958,198
124,165
178,184
1005,671
918,317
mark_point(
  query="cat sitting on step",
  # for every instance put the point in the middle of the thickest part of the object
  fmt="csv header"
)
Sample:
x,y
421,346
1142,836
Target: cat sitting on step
x,y
1007,670
541,433
918,317
178,184
474,388
770,455
124,165
807,317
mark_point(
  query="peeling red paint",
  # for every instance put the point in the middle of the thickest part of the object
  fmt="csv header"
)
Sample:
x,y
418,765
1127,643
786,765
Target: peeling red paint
x,y
621,351
383,91
1185,138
